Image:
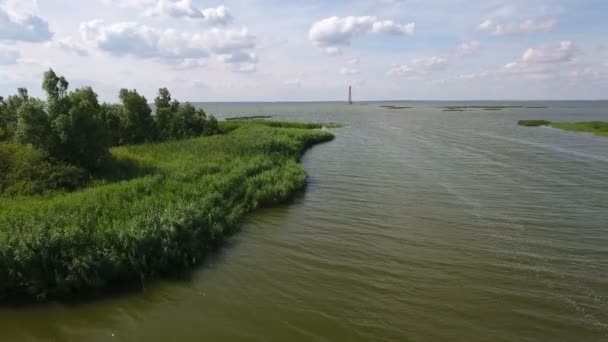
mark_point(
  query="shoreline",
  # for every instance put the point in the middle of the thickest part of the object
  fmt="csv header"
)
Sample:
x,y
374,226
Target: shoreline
x,y
93,241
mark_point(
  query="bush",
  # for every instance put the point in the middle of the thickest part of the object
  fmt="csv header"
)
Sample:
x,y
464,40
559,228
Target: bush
x,y
27,171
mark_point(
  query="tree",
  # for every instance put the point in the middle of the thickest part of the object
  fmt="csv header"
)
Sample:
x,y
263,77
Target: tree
x,y
110,117
33,126
166,111
211,126
136,118
56,88
79,134
8,113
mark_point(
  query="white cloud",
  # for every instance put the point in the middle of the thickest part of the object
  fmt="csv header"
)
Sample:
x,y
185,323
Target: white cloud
x,y
543,62
68,44
524,27
9,56
334,33
191,63
175,9
420,66
19,22
217,16
562,52
353,61
348,71
178,9
467,48
423,66
232,46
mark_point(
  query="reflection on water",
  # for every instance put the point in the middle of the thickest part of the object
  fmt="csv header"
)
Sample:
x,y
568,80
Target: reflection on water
x,y
417,224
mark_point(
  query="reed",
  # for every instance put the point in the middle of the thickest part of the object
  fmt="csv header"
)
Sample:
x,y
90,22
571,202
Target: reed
x,y
193,194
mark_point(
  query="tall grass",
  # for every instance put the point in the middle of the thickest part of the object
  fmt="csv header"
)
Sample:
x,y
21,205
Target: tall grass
x,y
194,193
596,127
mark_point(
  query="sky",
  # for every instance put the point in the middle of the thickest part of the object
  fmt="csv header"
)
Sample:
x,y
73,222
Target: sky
x,y
310,50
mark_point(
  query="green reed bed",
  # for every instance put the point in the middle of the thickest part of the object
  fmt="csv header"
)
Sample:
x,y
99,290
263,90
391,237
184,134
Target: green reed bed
x,y
193,194
599,128
396,107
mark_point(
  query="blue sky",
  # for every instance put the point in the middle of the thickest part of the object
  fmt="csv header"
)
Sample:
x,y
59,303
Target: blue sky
x,y
254,50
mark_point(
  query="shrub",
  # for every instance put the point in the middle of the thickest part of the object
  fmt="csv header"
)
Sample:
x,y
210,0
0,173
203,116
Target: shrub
x,y
27,171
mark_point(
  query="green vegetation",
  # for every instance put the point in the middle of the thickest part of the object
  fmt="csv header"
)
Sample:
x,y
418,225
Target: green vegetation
x,y
533,123
253,117
396,107
596,127
79,217
129,232
64,142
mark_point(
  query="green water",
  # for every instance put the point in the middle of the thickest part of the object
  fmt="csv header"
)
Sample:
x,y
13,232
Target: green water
x,y
416,225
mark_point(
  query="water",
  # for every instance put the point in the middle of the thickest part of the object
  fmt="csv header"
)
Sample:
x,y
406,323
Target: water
x,y
416,225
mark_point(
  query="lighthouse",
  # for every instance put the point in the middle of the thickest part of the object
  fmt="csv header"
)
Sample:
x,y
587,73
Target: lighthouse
x,y
350,95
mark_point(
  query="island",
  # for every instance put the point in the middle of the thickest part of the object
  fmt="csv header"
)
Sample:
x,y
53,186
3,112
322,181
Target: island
x,y
96,197
599,128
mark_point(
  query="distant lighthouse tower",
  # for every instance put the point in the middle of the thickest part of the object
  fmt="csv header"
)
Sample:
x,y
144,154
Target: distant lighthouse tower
x,y
350,95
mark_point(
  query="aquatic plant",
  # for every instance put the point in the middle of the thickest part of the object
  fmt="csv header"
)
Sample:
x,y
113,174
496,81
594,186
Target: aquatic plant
x,y
194,194
533,123
599,128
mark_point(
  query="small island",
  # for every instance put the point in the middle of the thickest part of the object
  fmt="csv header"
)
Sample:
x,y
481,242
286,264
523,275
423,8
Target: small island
x,y
395,107
96,196
490,108
598,128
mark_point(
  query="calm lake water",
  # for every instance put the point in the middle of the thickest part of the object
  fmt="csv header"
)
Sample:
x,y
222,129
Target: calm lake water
x,y
416,225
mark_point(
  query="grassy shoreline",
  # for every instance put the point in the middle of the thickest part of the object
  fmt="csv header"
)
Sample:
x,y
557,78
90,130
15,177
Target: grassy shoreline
x,y
598,128
195,194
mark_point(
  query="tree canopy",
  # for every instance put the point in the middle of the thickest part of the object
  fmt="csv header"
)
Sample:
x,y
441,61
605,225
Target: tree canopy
x,y
73,127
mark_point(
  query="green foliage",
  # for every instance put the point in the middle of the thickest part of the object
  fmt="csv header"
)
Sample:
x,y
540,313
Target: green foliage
x,y
533,123
180,120
160,223
80,138
56,89
33,126
599,128
27,171
136,118
8,113
74,128
110,117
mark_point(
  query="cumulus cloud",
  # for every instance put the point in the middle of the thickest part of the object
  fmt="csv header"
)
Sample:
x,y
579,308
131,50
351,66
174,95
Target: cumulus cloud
x,y
542,62
9,56
334,33
524,27
353,61
231,46
423,66
18,22
68,44
348,71
417,67
217,16
467,48
178,9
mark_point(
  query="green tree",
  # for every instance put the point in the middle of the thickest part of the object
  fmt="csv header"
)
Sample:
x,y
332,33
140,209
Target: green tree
x,y
136,119
33,126
211,126
166,111
56,88
79,135
110,117
8,113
